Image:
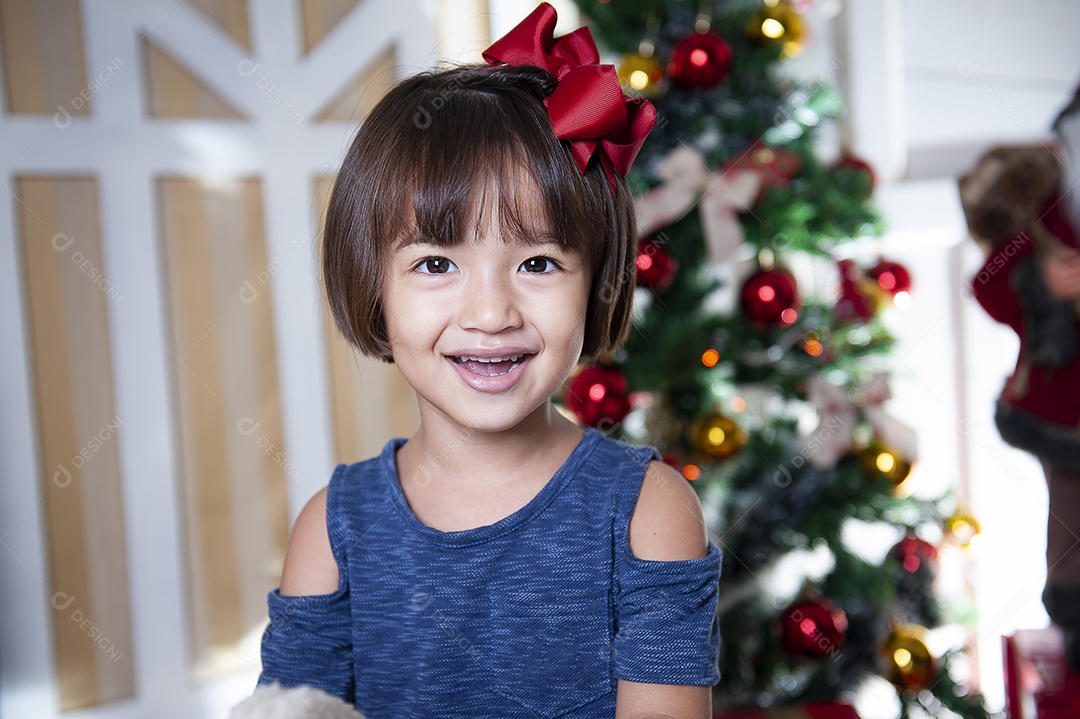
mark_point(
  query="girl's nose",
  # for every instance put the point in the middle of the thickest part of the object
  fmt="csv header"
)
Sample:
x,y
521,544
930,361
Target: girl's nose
x,y
490,306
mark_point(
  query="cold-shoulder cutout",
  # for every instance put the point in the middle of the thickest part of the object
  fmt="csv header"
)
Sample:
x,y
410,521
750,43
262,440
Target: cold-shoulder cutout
x,y
310,567
667,523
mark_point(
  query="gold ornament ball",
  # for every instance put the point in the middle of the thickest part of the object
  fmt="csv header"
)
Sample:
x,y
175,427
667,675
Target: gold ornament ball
x,y
880,460
962,528
718,436
639,74
909,662
870,289
778,22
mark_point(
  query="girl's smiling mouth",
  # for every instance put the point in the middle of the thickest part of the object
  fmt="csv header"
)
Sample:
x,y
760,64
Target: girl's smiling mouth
x,y
490,366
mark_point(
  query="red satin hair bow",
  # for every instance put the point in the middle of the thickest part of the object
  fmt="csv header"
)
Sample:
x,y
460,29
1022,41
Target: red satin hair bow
x,y
587,107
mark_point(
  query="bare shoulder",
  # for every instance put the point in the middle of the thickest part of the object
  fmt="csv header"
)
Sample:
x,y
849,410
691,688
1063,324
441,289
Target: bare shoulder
x,y
309,562
667,523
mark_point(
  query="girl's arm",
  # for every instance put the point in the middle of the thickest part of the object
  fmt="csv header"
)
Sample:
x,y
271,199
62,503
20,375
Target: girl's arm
x,y
661,701
309,638
667,525
309,563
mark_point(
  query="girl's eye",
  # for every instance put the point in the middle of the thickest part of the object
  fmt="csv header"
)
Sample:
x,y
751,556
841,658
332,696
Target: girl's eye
x,y
435,266
539,265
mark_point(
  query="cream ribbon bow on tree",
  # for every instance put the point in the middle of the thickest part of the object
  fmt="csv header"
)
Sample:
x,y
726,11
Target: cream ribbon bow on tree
x,y
839,413
687,179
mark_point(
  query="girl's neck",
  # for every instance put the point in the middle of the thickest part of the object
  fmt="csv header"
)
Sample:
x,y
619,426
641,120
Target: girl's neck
x,y
465,456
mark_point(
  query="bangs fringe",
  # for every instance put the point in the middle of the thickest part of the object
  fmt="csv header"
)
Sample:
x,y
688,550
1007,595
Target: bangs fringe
x,y
514,164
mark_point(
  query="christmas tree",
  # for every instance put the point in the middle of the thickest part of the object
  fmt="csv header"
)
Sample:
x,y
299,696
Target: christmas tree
x,y
759,357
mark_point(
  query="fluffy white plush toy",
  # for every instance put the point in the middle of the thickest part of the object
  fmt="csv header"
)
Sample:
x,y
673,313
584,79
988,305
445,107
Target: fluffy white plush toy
x,y
276,702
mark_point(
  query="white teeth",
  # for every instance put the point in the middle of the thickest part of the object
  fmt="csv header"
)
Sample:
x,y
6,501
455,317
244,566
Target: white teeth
x,y
509,358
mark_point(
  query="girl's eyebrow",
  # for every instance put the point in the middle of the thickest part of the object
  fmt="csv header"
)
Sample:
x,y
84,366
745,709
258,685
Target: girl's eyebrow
x,y
540,241
411,240
543,238
536,237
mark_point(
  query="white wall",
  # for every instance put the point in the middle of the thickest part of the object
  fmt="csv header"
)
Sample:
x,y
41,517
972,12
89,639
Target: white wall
x,y
983,71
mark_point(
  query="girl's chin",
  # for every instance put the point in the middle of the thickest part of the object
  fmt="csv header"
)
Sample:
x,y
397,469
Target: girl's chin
x,y
494,422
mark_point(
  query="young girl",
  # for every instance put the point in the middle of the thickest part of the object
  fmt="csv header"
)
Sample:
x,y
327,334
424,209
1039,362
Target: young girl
x,y
501,562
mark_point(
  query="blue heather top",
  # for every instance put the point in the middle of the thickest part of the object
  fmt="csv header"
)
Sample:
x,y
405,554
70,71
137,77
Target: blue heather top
x,y
536,615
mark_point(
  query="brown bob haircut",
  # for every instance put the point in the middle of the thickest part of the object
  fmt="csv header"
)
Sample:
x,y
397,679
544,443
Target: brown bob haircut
x,y
422,165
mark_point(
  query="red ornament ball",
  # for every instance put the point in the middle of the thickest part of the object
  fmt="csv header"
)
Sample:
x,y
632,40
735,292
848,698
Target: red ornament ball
x,y
699,60
857,301
812,628
598,396
915,555
770,297
859,298
853,163
892,277
849,271
655,267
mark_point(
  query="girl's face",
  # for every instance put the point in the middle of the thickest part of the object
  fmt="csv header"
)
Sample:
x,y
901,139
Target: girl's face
x,y
486,331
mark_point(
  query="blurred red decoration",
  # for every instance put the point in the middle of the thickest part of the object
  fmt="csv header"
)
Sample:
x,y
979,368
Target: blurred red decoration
x,y
852,162
598,396
914,555
655,267
812,628
774,166
859,297
699,60
770,297
892,277
816,710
